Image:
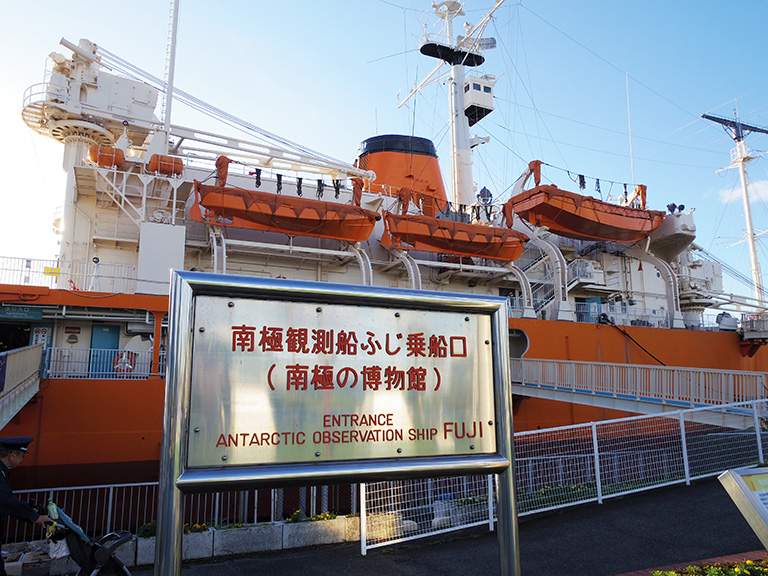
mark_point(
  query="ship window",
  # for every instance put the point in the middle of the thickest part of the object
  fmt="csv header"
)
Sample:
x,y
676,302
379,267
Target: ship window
x,y
476,86
487,89
611,305
466,88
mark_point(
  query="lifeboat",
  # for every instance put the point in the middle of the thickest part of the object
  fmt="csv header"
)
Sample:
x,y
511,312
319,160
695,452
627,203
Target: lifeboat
x,y
583,217
419,232
251,209
270,212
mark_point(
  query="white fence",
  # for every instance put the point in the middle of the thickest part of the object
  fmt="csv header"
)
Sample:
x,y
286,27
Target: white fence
x,y
97,363
554,468
561,467
19,379
102,509
68,275
665,384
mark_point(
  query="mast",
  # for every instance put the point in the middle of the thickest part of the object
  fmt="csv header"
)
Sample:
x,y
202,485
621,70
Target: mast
x,y
739,157
170,68
465,52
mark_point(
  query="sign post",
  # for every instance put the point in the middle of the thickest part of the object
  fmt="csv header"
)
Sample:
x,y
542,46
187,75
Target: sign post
x,y
275,382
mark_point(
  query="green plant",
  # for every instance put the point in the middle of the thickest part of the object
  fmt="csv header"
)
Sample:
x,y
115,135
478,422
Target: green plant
x,y
743,568
472,500
188,529
229,526
147,530
299,516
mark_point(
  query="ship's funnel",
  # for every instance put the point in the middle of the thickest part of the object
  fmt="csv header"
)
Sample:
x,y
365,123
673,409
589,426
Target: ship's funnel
x,y
402,162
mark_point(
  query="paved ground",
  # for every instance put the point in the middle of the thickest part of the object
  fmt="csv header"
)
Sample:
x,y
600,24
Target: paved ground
x,y
670,526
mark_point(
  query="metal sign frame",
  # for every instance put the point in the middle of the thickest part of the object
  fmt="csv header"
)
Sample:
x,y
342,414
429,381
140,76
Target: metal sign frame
x,y
751,501
176,478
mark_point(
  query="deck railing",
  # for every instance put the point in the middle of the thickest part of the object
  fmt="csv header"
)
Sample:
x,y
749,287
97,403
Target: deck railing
x,y
109,364
19,379
68,275
695,386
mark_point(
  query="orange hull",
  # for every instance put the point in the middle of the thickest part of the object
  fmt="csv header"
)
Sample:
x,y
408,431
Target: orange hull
x,y
419,232
583,217
277,213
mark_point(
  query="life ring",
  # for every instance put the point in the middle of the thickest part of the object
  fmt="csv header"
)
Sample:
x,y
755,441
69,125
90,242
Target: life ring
x,y
124,362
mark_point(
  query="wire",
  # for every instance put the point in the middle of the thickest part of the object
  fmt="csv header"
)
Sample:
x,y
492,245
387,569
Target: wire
x,y
643,348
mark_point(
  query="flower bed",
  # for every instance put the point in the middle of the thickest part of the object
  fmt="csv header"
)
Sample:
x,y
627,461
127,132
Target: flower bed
x,y
744,568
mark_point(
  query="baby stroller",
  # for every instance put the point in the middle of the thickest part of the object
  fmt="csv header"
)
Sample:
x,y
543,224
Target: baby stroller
x,y
93,556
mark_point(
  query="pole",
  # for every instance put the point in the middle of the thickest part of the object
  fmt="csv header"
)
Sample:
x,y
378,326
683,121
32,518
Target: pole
x,y
741,160
170,69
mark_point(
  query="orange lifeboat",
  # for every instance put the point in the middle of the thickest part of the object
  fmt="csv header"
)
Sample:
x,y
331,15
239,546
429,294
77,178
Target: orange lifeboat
x,y
419,232
256,210
582,217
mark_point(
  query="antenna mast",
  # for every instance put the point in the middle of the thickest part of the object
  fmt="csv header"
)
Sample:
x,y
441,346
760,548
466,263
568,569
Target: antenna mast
x,y
739,157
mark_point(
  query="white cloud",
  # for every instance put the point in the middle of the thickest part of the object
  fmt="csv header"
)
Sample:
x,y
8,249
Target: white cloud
x,y
758,190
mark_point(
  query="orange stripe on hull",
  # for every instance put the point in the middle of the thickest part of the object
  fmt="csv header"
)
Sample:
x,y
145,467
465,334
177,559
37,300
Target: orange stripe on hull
x,y
446,236
583,217
287,214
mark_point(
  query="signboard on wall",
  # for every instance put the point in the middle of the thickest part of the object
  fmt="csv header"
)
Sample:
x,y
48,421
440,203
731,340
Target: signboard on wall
x,y
13,312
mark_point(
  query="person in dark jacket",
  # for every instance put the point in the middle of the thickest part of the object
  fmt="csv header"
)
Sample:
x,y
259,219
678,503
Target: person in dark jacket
x,y
12,452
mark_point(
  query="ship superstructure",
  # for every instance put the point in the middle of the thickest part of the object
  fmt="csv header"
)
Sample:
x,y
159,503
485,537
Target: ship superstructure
x,y
585,280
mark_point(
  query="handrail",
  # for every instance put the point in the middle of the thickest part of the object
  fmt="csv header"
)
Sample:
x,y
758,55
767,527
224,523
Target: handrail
x,y
101,364
697,386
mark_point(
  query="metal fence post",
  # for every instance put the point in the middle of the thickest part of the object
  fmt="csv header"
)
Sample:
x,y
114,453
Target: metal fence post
x,y
363,521
216,509
596,453
684,444
109,508
490,502
758,433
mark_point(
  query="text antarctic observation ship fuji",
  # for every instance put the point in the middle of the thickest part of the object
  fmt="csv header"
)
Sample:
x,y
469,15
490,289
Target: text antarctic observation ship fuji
x,y
586,280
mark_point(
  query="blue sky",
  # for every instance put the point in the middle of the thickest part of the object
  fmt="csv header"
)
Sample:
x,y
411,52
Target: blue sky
x,y
327,75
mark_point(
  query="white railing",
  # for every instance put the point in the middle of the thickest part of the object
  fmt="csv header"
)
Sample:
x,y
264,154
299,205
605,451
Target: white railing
x,y
554,468
20,379
691,386
101,364
105,508
561,467
68,275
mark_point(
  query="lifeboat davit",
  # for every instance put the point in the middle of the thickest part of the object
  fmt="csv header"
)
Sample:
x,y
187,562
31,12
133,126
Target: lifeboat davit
x,y
419,232
255,210
583,217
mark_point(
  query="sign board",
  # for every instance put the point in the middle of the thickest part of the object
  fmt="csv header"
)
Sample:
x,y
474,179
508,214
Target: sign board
x,y
272,382
282,382
12,312
278,382
748,488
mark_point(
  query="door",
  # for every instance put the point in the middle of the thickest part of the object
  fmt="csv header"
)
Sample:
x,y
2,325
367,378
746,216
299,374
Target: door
x,y
594,308
105,340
